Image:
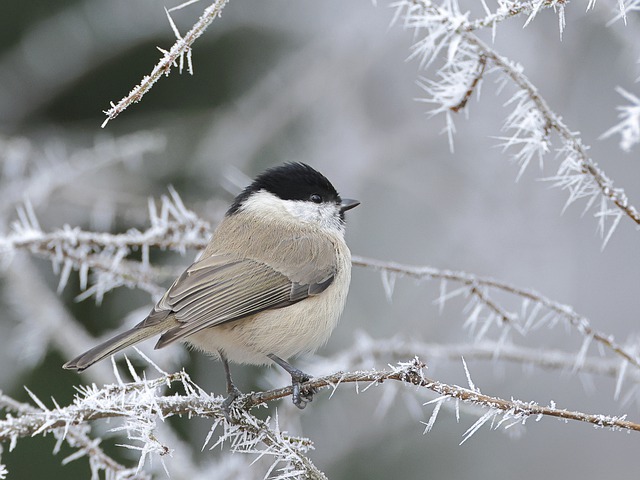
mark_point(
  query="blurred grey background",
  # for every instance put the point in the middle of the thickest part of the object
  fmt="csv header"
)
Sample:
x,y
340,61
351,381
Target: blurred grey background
x,y
328,83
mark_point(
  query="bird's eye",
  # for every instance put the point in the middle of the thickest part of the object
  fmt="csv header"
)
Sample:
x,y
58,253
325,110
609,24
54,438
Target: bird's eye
x,y
315,198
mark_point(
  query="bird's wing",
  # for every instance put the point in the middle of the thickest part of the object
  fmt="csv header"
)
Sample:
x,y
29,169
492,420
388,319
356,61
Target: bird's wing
x,y
220,289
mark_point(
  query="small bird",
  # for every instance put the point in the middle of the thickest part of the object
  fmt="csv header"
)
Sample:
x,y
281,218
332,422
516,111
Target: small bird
x,y
271,283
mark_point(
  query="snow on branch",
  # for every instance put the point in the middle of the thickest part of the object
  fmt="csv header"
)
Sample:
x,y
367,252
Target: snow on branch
x,y
143,403
412,372
76,436
537,310
174,227
141,406
442,29
180,50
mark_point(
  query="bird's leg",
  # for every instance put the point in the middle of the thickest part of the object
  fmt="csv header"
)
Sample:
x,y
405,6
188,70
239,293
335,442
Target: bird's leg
x,y
232,390
300,397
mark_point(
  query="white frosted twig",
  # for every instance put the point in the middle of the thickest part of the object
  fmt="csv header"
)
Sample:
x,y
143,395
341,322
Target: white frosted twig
x,y
573,146
178,228
507,9
77,437
180,48
174,227
189,231
474,284
366,351
412,373
443,28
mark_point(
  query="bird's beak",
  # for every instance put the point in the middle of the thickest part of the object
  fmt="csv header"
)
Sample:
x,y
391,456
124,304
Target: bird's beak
x,y
348,204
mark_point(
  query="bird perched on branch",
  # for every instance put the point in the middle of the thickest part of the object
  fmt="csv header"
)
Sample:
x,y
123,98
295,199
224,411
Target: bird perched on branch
x,y
271,284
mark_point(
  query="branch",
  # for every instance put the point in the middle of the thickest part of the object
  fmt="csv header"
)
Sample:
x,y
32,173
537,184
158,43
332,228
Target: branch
x,y
412,373
471,283
532,120
174,227
572,141
180,48
509,9
366,351
141,406
178,228
77,437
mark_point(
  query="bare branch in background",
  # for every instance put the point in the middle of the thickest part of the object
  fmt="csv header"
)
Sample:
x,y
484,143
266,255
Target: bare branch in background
x,y
367,351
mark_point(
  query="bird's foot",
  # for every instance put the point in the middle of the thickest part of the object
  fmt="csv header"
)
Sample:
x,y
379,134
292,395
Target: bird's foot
x,y
232,394
301,395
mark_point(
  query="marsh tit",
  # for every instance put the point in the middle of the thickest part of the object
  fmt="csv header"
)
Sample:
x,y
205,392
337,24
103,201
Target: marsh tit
x,y
271,283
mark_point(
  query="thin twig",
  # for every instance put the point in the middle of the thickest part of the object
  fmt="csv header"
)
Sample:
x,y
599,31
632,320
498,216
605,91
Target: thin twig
x,y
482,63
366,351
473,281
554,122
462,28
181,47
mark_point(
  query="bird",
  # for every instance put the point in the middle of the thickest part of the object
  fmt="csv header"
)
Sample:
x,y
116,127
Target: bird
x,y
270,285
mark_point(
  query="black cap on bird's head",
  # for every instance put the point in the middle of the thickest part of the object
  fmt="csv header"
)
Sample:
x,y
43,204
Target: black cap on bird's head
x,y
294,181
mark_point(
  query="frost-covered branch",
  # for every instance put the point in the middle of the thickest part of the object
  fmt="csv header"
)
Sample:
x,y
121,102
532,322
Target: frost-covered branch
x,y
367,351
577,172
180,50
443,28
141,406
533,313
174,227
507,9
77,437
513,411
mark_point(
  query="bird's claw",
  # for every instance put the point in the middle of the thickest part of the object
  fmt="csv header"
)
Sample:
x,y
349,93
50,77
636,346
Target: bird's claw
x,y
232,394
302,395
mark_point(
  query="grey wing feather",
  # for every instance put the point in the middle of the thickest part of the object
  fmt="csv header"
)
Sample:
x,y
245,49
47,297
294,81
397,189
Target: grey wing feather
x,y
220,289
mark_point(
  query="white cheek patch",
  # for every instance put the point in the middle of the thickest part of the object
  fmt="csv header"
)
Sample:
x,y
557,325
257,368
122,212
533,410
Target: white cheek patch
x,y
326,215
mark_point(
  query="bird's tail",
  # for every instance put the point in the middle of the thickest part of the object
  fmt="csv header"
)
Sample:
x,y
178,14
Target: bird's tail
x,y
113,345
